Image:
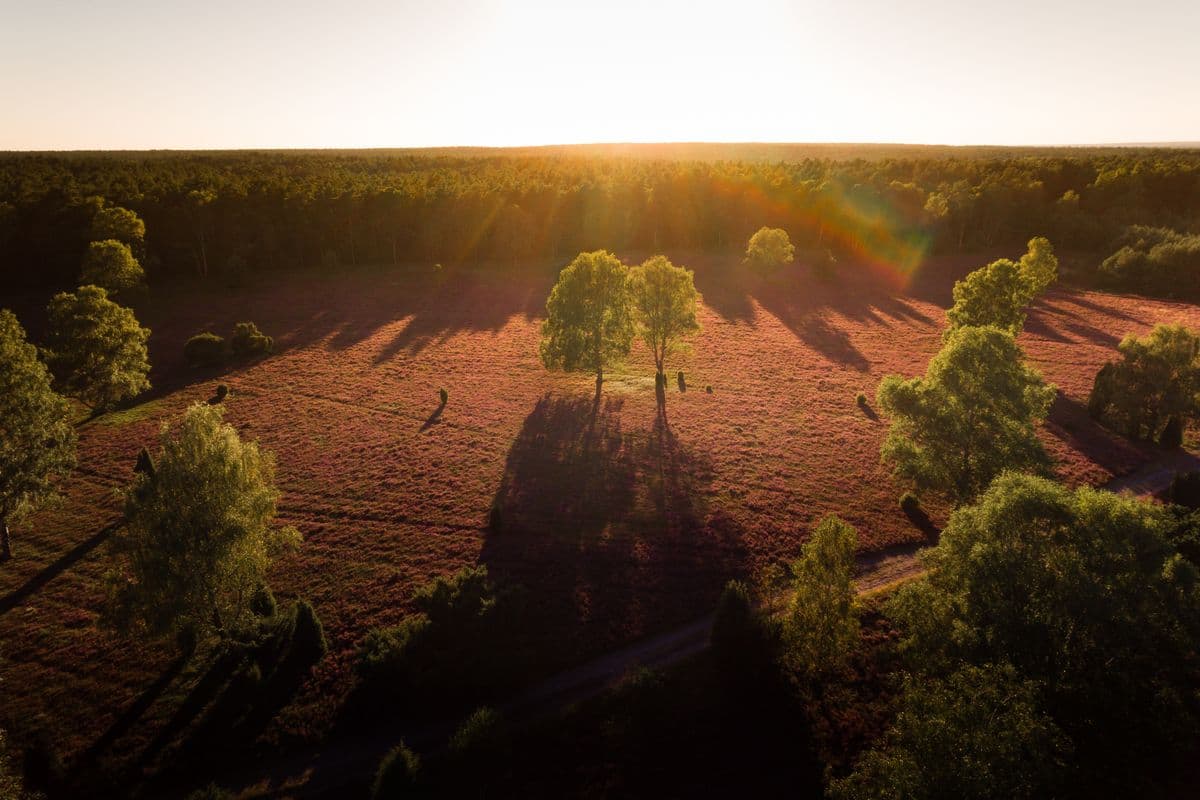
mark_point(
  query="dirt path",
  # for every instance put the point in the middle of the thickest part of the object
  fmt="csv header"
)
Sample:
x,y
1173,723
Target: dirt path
x,y
330,768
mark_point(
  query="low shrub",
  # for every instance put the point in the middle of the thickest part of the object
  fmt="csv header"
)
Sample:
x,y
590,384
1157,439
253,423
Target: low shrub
x,y
861,400
909,502
308,637
262,602
204,350
708,389
444,396
222,392
682,383
397,775
1172,434
478,732
248,340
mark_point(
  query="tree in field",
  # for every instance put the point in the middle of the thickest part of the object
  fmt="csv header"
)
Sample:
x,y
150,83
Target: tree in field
x,y
975,735
589,319
1000,293
110,265
37,439
199,532
96,349
664,303
970,418
121,224
821,626
1081,591
1154,390
769,249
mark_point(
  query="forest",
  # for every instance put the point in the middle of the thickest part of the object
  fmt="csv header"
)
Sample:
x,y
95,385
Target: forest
x,y
223,215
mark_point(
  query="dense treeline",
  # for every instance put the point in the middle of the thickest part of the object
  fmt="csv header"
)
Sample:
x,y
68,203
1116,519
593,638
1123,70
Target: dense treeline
x,y
219,214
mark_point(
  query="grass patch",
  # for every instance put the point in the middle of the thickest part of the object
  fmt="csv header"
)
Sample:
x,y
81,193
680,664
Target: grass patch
x,y
128,416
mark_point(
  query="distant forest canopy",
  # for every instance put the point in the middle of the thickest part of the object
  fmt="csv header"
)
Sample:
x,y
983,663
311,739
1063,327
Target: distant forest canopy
x,y
222,214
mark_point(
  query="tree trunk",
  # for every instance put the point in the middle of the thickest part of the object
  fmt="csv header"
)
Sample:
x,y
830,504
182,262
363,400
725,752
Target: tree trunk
x,y
5,542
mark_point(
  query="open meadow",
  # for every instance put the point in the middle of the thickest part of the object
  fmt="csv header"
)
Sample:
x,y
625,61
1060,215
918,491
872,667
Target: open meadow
x,y
618,521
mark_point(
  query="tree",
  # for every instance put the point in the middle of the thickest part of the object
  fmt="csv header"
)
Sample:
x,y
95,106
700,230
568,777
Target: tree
x,y
1081,591
589,324
664,301
110,264
976,734
971,417
96,349
121,224
37,439
821,626
398,774
199,532
1155,385
1000,293
769,249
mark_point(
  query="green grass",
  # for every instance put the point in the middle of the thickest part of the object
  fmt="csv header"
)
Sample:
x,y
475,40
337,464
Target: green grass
x,y
127,416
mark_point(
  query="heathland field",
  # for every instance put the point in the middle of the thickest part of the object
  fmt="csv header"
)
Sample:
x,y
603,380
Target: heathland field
x,y
618,522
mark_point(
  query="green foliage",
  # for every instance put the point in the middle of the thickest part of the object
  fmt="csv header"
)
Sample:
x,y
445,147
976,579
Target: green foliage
x,y
262,602
589,320
971,417
308,637
664,305
999,294
1155,260
38,442
978,733
461,644
110,264
769,249
477,733
1082,592
821,625
1157,380
120,224
398,774
95,349
199,535
248,340
204,350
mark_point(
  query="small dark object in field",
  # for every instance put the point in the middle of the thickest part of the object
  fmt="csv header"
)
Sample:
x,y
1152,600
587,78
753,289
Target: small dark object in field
x,y
861,400
682,382
145,463
909,502
1185,490
248,340
1172,435
444,396
708,388
222,392
308,637
204,350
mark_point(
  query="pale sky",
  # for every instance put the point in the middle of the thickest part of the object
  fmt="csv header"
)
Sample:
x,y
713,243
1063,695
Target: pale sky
x,y
137,74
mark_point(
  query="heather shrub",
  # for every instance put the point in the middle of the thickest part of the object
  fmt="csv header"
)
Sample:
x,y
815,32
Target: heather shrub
x,y
248,340
204,350
397,774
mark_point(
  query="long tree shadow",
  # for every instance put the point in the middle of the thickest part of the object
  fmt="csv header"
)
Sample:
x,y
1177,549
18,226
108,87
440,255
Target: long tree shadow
x,y
1070,422
53,570
130,716
609,529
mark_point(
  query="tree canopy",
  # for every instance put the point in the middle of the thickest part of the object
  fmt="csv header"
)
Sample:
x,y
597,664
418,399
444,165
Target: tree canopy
x,y
769,249
971,417
664,302
110,264
1156,380
1081,591
589,321
1000,293
96,349
199,531
37,439
114,222
821,625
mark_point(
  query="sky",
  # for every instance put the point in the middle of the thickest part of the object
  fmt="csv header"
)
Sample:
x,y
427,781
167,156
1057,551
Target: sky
x,y
181,74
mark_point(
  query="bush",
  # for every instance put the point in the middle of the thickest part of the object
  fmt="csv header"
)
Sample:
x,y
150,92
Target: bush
x,y
769,249
308,638
682,383
861,400
222,392
444,396
708,389
735,624
1172,434
909,502
263,602
248,340
1155,260
397,774
204,350
1185,490
478,732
